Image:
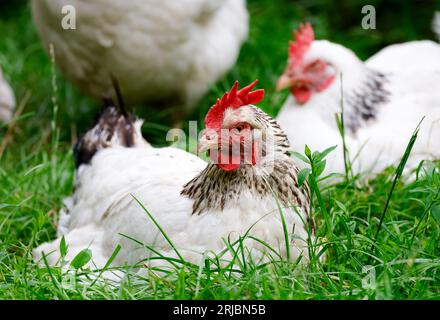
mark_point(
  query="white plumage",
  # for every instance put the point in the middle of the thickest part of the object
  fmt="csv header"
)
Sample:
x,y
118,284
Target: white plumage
x,y
160,51
436,24
7,100
385,97
198,204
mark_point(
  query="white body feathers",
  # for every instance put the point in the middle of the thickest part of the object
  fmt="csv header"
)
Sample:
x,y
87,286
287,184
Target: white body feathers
x,y
436,24
158,50
7,100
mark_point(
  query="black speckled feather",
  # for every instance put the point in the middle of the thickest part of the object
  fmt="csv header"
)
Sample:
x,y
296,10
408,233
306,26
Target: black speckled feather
x,y
113,126
367,101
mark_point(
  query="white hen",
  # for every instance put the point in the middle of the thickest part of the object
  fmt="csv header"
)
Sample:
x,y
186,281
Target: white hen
x,y
197,204
436,24
165,52
7,100
385,97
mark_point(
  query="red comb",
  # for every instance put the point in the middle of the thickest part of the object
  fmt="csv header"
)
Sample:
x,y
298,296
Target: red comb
x,y
233,99
303,38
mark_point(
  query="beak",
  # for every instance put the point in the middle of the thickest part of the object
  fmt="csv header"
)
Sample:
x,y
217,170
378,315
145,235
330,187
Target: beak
x,y
206,142
283,82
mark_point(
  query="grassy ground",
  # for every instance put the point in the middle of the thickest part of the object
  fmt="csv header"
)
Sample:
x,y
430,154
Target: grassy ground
x,y
36,173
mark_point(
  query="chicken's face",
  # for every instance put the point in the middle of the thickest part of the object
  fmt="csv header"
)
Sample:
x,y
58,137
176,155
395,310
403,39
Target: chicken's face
x,y
305,73
306,79
233,131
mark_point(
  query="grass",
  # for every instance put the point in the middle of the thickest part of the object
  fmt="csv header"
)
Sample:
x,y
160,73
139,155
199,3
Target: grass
x,y
36,173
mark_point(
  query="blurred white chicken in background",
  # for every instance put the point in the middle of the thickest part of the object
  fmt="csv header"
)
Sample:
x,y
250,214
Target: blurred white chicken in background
x,y
7,100
436,24
384,100
164,52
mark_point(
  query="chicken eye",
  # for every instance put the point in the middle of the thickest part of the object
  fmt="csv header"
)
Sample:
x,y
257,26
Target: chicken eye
x,y
241,126
315,66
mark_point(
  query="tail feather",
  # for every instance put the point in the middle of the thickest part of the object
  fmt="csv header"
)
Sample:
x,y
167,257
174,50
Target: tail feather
x,y
121,103
113,127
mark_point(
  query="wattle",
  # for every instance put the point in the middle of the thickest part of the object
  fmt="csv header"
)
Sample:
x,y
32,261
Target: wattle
x,y
302,94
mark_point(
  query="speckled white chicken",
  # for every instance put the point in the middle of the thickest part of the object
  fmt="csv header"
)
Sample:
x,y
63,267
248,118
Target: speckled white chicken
x,y
198,204
165,52
385,97
7,100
